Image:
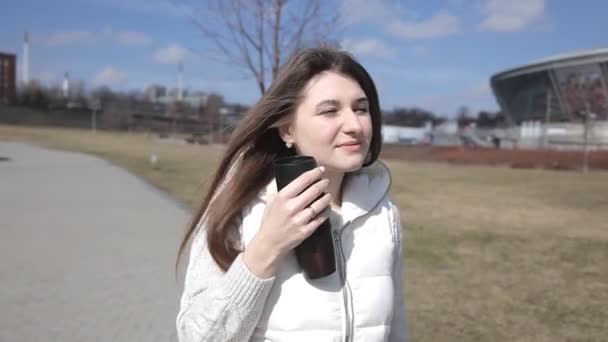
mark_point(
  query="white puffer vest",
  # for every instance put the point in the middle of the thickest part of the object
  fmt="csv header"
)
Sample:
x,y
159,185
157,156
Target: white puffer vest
x,y
331,309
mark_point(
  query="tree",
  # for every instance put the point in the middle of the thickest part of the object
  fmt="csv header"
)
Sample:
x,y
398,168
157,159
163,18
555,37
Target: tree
x,y
56,98
463,116
34,94
257,35
212,112
103,94
485,119
78,91
409,117
488,119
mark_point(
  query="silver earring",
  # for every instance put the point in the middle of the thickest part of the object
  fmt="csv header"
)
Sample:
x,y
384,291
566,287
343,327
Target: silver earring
x,y
288,144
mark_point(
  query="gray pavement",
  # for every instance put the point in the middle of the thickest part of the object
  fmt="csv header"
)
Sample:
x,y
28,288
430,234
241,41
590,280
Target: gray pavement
x,y
86,250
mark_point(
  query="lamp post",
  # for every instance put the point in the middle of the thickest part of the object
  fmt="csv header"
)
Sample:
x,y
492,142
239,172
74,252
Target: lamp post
x,y
95,106
588,117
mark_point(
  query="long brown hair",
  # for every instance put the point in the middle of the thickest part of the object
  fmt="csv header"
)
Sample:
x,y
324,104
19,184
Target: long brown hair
x,y
246,166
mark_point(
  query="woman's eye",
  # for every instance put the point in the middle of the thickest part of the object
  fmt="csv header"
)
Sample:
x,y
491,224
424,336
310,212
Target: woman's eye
x,y
361,110
329,111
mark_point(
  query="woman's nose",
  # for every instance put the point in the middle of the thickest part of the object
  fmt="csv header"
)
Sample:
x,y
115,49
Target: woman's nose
x,y
351,122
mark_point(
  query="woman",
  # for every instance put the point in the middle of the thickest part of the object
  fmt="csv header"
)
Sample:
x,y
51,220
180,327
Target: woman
x,y
243,282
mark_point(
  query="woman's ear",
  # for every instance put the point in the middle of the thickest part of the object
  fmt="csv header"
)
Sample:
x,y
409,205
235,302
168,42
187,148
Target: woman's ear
x,y
286,135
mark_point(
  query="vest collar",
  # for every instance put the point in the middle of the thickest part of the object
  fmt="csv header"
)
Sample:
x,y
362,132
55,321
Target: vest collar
x,y
362,190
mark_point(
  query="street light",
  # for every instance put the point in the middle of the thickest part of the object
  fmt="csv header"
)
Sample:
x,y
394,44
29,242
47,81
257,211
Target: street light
x,y
588,118
95,105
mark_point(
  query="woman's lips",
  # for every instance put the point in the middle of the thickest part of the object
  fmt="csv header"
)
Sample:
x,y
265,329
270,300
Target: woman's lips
x,y
355,146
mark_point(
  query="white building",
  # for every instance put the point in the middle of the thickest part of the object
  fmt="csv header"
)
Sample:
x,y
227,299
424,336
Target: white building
x,y
405,135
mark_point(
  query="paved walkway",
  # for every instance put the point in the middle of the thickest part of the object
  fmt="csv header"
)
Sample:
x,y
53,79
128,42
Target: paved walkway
x,y
86,250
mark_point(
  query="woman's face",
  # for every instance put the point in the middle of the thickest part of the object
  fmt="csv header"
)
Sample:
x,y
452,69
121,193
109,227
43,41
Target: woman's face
x,y
332,123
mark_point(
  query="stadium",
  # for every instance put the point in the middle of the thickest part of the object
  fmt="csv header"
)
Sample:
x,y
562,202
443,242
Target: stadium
x,y
558,101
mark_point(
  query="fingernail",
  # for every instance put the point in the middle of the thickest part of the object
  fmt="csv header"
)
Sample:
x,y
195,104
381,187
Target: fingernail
x,y
322,168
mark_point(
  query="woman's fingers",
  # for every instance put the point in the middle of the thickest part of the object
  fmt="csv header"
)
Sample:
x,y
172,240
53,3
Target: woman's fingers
x,y
311,226
297,210
315,209
320,205
309,195
300,184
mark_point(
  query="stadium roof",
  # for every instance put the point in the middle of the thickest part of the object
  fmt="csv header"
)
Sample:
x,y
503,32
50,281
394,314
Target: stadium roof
x,y
556,61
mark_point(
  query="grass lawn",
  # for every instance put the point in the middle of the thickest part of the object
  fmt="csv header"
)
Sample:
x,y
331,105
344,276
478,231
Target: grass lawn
x,y
492,254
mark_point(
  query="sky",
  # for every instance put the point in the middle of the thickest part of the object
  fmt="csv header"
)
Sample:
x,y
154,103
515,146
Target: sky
x,y
433,54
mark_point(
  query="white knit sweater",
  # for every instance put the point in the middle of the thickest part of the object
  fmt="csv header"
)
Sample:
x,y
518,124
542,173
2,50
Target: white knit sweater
x,y
227,306
218,306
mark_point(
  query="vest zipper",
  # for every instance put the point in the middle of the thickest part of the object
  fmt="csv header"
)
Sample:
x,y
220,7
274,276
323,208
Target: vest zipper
x,y
346,291
341,264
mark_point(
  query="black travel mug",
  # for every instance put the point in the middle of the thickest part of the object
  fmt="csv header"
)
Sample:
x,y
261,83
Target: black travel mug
x,y
316,253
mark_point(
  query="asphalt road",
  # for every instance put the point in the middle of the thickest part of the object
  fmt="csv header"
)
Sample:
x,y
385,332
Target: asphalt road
x,y
86,250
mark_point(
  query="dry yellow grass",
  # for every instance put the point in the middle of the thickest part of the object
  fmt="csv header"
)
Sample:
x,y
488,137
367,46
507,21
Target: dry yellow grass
x,y
180,171
495,254
492,254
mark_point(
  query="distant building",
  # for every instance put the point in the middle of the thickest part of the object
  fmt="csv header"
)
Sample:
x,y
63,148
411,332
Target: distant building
x,y
154,92
547,99
195,100
65,86
555,89
405,135
8,79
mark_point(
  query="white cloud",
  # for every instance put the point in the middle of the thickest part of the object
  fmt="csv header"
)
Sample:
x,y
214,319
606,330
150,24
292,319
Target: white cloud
x,y
368,47
47,77
132,38
235,90
171,54
441,24
478,91
457,3
359,11
421,50
476,96
69,37
428,76
110,76
161,8
512,15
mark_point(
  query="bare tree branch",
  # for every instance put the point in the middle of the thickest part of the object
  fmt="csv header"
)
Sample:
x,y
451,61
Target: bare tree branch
x,y
257,35
260,47
276,57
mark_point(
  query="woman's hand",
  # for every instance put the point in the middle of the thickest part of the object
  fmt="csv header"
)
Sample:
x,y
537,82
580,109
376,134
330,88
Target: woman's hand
x,y
292,216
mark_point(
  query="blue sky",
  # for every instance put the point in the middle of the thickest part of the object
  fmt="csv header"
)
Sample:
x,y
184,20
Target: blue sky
x,y
433,54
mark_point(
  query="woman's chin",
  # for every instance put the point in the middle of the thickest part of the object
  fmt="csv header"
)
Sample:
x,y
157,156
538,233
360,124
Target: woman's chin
x,y
346,164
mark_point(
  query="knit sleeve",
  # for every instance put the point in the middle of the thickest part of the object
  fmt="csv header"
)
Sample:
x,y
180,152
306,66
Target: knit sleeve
x,y
398,332
217,305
